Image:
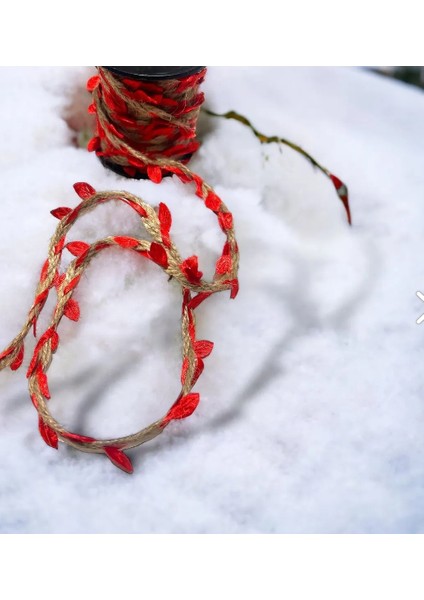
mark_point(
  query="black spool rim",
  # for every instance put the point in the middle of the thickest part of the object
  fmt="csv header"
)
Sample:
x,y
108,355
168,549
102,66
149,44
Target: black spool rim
x,y
154,73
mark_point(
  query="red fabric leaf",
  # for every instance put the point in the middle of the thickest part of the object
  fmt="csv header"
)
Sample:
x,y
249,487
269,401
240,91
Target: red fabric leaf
x,y
81,258
41,298
44,270
72,310
34,400
203,348
115,132
154,173
199,184
213,202
342,192
158,254
93,82
93,144
48,434
60,212
198,299
59,246
224,264
6,353
234,288
225,220
43,383
72,284
58,280
118,458
138,209
18,360
77,248
126,242
84,190
336,181
165,217
198,370
190,268
54,341
183,408
32,365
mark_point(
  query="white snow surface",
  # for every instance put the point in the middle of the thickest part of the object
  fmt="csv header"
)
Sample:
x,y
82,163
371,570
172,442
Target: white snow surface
x,y
312,411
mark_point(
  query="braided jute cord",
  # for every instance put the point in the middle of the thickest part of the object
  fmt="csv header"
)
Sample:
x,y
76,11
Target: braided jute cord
x,y
161,251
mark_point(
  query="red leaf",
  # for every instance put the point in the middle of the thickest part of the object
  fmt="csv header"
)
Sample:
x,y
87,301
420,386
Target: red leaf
x,y
72,284
93,144
48,434
234,288
93,82
336,181
82,257
203,348
126,242
118,458
225,220
158,254
6,353
60,212
154,173
43,383
115,132
342,192
183,408
58,280
34,400
165,217
198,299
200,365
41,298
54,343
44,270
84,190
32,365
190,268
213,202
138,209
59,246
224,264
72,310
77,248
18,360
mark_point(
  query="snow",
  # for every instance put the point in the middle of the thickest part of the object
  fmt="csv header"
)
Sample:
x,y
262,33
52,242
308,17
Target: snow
x,y
311,417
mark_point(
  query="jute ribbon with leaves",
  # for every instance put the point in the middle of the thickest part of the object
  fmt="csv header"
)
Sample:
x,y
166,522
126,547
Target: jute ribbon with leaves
x,y
144,129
